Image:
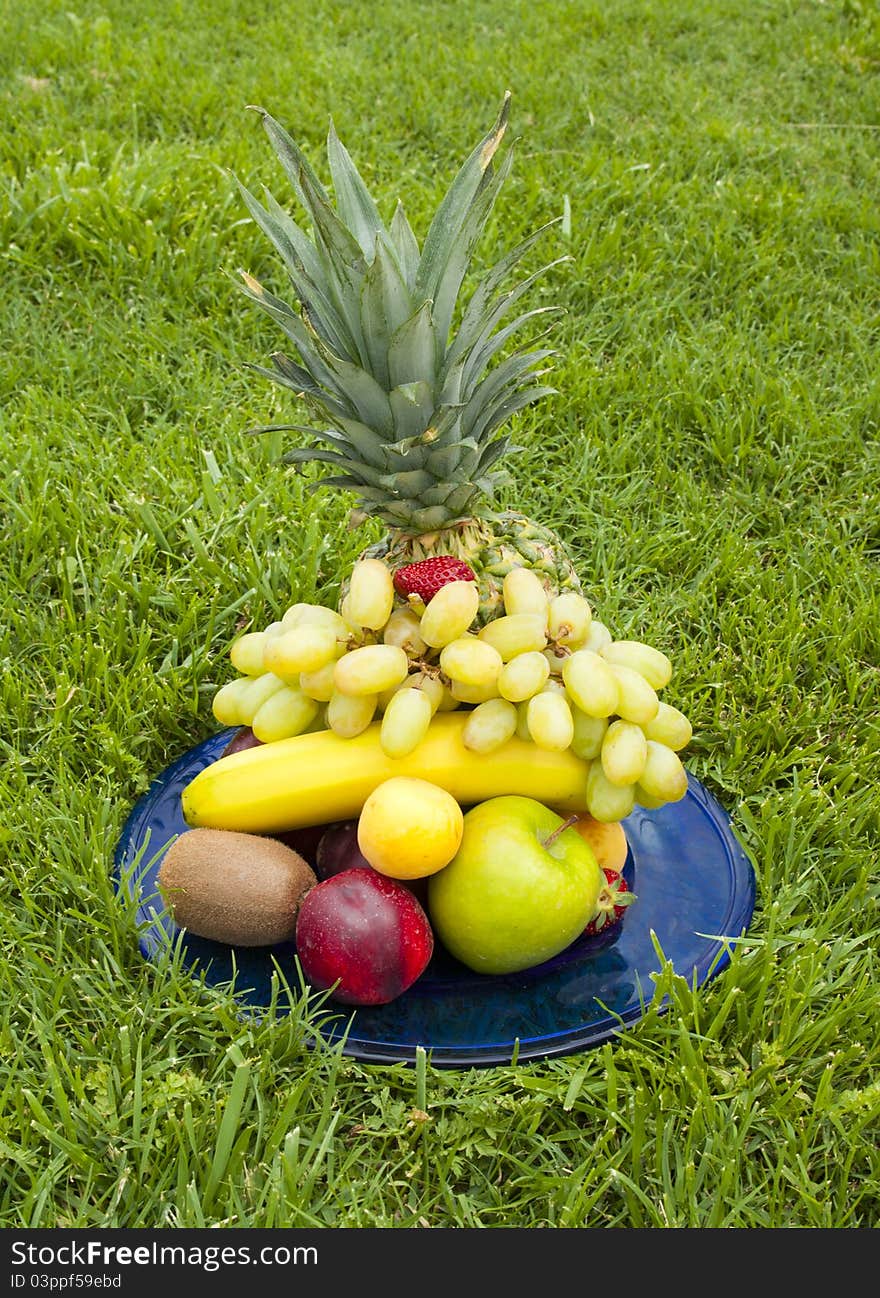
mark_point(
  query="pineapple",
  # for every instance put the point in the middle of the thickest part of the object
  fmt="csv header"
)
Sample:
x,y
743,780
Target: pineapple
x,y
403,381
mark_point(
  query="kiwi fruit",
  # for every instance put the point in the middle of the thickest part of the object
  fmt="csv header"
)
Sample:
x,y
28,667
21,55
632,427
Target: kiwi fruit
x,y
237,888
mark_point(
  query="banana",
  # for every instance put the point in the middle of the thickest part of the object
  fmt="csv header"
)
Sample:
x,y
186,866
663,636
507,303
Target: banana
x,y
312,779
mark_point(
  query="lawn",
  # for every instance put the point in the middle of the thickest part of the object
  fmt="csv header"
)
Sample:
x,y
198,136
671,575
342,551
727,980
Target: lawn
x,y
711,458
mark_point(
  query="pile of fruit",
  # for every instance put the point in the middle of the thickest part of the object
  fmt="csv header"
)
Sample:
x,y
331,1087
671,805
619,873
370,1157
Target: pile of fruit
x,y
414,746
461,733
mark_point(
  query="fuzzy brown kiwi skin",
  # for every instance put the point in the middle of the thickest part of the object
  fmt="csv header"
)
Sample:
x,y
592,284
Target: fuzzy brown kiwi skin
x,y
241,889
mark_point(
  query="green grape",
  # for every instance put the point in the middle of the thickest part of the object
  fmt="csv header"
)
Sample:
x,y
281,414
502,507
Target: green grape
x,y
284,714
570,617
649,662
598,636
305,648
624,752
663,775
647,801
370,594
516,633
433,689
431,686
319,684
591,684
523,592
450,613
550,721
588,734
555,657
448,702
301,615
254,694
405,723
523,676
291,616
473,693
246,653
371,669
226,704
349,714
470,662
669,727
345,613
522,721
637,700
606,801
489,726
402,629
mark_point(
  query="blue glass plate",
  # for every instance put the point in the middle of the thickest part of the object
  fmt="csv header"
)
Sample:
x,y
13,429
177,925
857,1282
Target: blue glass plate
x,y
695,889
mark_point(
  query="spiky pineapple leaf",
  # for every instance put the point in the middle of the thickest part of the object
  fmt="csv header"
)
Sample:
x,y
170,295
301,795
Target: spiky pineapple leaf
x,y
303,265
353,199
307,343
454,497
360,474
366,443
283,380
406,244
445,427
488,340
513,372
320,434
456,460
455,209
296,374
412,350
348,483
293,160
417,455
448,285
386,304
483,299
369,401
494,450
305,248
412,483
497,414
412,405
344,264
306,454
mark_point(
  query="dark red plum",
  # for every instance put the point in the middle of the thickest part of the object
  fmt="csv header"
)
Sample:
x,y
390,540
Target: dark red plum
x,y
243,739
338,850
305,841
367,933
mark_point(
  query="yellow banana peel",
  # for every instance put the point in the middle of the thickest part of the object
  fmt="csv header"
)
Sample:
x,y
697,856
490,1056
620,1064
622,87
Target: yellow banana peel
x,y
316,778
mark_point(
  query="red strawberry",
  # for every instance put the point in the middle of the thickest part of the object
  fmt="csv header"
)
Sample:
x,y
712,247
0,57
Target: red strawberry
x,y
614,898
422,580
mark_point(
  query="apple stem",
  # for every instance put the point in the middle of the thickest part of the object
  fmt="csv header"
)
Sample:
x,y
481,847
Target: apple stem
x,y
566,824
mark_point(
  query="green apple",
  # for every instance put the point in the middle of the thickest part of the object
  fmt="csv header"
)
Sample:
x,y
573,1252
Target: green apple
x,y
518,890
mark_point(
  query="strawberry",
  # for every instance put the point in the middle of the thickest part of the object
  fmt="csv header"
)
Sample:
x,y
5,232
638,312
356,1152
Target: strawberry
x,y
614,897
421,580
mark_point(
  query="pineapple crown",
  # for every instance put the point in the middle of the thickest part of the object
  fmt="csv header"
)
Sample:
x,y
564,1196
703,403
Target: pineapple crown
x,y
407,407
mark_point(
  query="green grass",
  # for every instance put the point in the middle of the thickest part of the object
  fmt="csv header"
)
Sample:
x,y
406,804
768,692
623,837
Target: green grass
x,y
711,458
